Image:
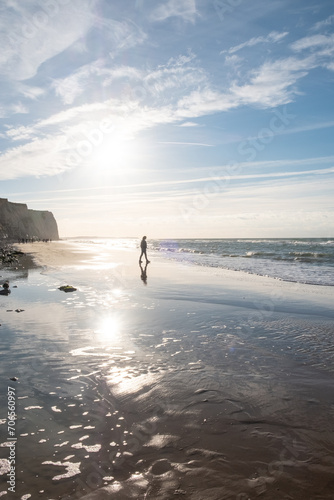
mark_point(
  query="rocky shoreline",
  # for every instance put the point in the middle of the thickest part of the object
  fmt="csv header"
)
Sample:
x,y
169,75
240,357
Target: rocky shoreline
x,y
11,258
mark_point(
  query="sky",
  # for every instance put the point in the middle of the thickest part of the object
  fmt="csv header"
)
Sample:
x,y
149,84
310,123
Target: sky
x,y
170,118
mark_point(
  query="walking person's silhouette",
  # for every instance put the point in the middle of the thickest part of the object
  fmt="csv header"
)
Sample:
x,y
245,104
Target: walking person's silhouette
x,y
143,246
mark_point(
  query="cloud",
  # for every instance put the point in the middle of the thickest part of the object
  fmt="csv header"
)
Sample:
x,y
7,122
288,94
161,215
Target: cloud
x,y
69,88
68,139
233,60
202,102
313,42
167,81
186,9
320,45
188,124
179,73
273,37
324,24
128,73
221,172
269,86
119,35
19,108
30,92
87,115
307,128
31,36
273,83
97,74
177,143
36,158
242,177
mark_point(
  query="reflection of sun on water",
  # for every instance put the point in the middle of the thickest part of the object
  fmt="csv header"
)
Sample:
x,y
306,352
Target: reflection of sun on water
x,y
109,329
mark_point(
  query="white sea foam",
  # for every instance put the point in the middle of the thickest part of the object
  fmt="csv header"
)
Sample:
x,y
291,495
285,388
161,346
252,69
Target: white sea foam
x,y
308,261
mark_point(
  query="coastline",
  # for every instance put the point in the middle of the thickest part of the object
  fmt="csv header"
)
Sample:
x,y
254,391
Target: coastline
x,y
66,254
210,386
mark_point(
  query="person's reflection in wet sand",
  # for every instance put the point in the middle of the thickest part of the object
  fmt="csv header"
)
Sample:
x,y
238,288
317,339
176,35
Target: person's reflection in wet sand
x,y
143,275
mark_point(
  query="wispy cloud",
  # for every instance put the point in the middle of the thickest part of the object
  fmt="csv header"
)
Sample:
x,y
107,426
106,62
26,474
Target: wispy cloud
x,y
174,78
36,158
269,86
188,124
51,144
177,143
314,42
204,102
69,88
186,9
167,80
30,91
322,46
243,177
31,37
329,21
256,201
237,186
273,83
307,128
19,108
273,37
119,35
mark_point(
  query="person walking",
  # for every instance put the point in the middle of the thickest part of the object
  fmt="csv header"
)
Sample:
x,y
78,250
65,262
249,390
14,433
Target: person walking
x,y
143,246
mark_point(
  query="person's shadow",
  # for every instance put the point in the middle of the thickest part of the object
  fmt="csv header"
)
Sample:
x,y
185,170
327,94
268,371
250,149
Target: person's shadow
x,y
143,275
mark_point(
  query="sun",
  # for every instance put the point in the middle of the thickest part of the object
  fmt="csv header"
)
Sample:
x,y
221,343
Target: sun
x,y
116,153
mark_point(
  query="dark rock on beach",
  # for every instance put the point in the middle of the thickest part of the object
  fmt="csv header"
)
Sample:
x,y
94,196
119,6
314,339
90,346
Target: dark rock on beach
x,y
67,288
14,259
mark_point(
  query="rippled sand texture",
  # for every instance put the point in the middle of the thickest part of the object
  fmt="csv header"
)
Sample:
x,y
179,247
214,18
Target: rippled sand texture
x,y
195,386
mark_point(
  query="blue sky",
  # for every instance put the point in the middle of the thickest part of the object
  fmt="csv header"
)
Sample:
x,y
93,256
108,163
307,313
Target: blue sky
x,y
173,118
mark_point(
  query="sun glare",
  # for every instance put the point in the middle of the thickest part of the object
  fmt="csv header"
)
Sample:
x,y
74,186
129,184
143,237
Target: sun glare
x,y
116,154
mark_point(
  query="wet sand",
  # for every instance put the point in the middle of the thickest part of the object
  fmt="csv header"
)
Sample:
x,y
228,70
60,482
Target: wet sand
x,y
202,384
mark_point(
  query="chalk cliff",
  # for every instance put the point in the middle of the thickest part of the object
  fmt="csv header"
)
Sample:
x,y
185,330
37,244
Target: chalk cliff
x,y
17,222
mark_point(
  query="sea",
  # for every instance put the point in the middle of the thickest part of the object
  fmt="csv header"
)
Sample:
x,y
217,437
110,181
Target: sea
x,y
306,260
300,260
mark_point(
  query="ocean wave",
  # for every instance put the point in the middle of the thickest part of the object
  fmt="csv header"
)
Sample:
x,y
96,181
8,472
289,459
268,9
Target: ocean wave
x,y
257,241
314,255
300,260
260,254
192,250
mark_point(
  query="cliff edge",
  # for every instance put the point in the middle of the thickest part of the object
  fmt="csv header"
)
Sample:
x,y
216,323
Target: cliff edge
x,y
18,222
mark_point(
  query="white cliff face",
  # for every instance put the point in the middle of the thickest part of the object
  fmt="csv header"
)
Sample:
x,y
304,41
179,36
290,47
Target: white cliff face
x,y
17,222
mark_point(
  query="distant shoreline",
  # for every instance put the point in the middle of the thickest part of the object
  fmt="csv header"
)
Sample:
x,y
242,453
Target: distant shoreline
x,y
65,253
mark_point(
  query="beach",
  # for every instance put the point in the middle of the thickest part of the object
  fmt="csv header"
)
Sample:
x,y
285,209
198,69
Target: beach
x,y
170,381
